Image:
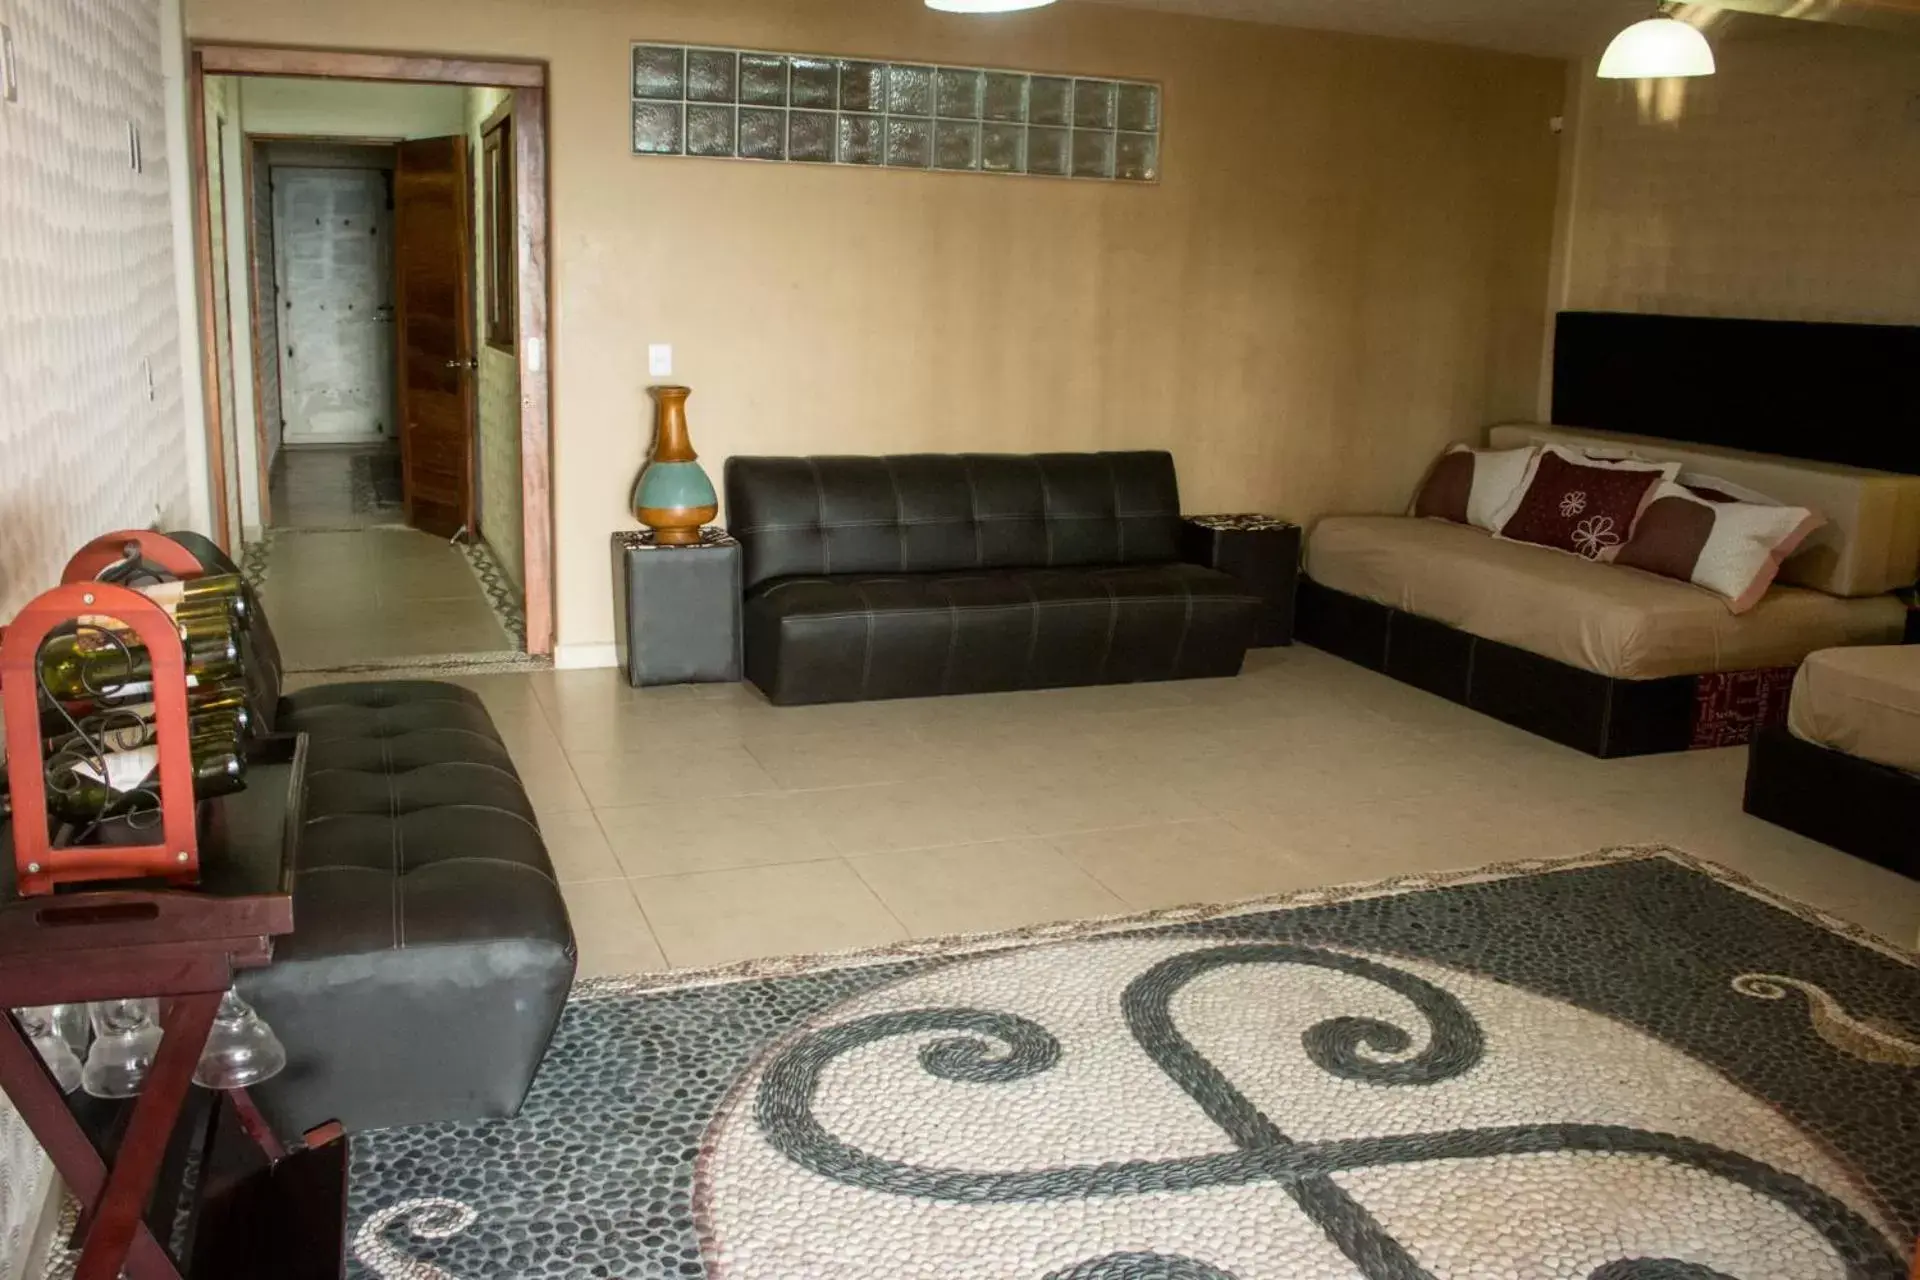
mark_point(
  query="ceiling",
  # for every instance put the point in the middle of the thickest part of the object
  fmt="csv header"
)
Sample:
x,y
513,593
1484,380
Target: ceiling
x,y
1547,28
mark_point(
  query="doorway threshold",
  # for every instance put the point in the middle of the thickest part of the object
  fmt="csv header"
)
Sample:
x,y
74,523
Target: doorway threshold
x,y
431,666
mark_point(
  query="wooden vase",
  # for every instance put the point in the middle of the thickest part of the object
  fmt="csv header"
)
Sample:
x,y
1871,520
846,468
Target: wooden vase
x,y
673,495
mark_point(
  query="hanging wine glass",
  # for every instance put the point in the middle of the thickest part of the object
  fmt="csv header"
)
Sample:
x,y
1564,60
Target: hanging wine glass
x,y
126,1038
70,1020
62,1062
241,1049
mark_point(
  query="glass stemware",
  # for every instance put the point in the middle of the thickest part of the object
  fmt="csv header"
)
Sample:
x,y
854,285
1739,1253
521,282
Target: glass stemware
x,y
126,1038
40,1024
241,1048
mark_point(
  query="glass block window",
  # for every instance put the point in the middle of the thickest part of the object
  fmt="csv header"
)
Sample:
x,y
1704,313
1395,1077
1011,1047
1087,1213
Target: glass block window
x,y
742,104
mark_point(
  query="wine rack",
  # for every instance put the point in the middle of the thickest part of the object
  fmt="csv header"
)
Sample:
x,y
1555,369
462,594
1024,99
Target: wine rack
x,y
44,859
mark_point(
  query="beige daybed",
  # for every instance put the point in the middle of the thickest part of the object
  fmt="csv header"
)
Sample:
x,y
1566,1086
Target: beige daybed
x,y
1626,626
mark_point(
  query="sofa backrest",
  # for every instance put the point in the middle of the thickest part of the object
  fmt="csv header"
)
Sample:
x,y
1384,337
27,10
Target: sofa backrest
x,y
1870,543
926,512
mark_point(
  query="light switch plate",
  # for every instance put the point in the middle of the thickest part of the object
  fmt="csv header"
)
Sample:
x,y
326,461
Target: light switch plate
x,y
9,73
659,360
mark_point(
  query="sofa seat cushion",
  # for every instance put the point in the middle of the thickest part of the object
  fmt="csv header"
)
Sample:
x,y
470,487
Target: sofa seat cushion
x,y
857,636
1609,619
1864,701
431,951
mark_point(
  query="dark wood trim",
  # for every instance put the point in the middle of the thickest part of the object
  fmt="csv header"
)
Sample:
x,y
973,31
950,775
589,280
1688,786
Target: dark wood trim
x,y
499,113
209,340
499,248
254,352
535,351
335,64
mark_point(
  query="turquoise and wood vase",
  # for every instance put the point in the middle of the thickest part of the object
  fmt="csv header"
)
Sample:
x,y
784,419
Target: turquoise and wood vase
x,y
673,496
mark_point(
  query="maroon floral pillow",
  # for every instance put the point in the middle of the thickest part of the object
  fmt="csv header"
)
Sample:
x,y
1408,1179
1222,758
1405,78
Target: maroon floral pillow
x,y
1583,506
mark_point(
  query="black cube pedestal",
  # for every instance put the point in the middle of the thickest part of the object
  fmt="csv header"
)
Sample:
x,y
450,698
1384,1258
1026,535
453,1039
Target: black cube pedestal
x,y
677,609
1261,552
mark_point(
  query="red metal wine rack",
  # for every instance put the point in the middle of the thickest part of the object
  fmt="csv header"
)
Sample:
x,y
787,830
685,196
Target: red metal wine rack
x,y
40,863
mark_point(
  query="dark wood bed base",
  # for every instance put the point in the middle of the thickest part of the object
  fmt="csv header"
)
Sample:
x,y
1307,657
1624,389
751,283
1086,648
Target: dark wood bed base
x,y
1597,714
1859,807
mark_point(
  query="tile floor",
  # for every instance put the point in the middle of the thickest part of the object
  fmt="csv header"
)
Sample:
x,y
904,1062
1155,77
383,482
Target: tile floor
x,y
313,488
348,585
338,598
697,825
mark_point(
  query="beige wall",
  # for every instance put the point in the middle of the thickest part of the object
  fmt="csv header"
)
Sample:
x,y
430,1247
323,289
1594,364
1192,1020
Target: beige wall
x,y
1344,267
360,109
1787,186
497,385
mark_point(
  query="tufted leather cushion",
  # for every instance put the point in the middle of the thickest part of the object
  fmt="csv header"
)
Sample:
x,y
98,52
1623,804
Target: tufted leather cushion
x,y
850,637
916,513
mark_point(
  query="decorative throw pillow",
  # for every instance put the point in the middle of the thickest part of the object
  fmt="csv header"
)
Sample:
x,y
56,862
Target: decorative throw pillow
x,y
1733,548
1467,486
1580,505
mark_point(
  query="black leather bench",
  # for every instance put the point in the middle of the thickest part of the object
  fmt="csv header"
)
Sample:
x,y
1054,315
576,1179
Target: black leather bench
x,y
893,577
431,954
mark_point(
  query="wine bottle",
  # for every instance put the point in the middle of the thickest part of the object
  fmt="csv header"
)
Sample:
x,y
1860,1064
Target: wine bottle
x,y
227,591
81,786
123,730
72,671
98,631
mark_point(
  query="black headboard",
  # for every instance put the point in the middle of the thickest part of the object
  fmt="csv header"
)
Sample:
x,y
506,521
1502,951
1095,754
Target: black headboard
x,y
1832,392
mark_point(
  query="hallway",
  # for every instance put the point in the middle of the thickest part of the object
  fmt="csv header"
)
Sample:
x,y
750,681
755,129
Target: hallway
x,y
348,487
346,585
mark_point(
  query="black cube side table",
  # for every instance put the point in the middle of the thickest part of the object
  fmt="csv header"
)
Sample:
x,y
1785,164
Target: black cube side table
x,y
677,608
1261,552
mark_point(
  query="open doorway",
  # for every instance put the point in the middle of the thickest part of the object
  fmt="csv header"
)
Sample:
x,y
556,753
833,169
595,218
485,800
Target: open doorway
x,y
375,295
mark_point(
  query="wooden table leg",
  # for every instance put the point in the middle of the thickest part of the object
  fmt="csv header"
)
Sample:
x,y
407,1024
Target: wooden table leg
x,y
117,1217
41,1104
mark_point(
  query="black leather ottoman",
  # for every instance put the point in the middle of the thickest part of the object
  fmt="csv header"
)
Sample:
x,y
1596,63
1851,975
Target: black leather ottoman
x,y
431,952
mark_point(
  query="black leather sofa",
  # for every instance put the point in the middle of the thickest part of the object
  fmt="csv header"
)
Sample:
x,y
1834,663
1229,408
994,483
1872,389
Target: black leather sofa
x,y
431,954
919,574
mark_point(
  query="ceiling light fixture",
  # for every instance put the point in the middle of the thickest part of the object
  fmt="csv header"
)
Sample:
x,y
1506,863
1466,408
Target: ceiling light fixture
x,y
1656,48
985,6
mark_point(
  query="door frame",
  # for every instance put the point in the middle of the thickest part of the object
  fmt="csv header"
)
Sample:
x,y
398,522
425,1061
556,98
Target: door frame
x,y
533,347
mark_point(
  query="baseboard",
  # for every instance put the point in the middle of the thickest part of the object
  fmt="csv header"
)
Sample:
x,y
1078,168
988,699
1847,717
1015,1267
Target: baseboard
x,y
578,657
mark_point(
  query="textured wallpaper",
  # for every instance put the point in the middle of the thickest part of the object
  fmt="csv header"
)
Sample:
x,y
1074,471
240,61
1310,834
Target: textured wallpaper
x,y
87,303
497,389
90,410
1787,186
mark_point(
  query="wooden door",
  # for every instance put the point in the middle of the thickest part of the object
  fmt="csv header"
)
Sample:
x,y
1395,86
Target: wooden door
x,y
433,264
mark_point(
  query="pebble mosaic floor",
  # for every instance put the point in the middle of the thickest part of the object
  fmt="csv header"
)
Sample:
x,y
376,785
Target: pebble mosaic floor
x,y
1631,1067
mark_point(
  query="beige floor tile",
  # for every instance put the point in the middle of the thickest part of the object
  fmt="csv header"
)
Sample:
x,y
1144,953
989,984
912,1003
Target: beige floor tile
x,y
551,785
617,778
911,815
610,930
717,917
1181,863
981,887
1050,806
848,758
578,847
676,837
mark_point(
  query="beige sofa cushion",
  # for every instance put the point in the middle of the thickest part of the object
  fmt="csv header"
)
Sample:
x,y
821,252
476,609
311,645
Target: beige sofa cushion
x,y
1870,543
1605,618
1863,701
